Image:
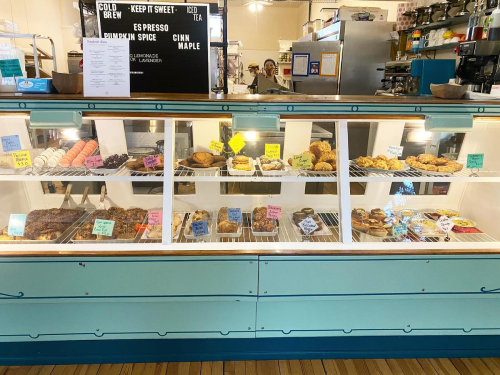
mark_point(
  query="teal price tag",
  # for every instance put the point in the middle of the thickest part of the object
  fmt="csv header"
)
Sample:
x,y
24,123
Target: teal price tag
x,y
16,225
399,230
103,227
10,68
475,160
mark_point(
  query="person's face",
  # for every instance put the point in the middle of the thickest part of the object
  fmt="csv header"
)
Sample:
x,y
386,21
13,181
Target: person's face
x,y
269,68
253,71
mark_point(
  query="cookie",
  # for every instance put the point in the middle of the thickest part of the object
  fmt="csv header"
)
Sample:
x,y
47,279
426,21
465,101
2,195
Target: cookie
x,y
200,165
203,158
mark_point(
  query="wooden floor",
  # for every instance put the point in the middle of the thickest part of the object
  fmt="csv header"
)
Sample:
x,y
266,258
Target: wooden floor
x,y
452,366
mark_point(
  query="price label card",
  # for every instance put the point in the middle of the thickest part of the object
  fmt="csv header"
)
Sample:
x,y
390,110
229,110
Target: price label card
x,y
236,143
16,225
10,68
151,161
395,150
103,227
94,161
445,224
22,159
200,228
155,217
399,230
234,214
308,225
216,146
301,161
11,143
272,151
274,212
475,160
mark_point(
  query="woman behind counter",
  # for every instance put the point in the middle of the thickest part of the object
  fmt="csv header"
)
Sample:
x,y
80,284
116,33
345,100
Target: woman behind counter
x,y
269,69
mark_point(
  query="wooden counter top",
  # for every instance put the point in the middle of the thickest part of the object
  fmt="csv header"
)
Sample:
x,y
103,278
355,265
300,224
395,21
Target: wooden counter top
x,y
256,98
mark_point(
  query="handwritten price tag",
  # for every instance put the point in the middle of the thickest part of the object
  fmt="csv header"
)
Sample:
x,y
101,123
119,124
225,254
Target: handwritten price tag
x,y
94,161
302,161
236,143
155,217
475,160
308,225
22,159
151,161
16,225
445,224
399,230
216,146
274,212
395,150
10,68
272,151
234,214
11,143
200,228
103,227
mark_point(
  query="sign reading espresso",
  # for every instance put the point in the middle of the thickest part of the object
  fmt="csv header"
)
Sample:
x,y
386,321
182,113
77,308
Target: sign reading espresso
x,y
169,43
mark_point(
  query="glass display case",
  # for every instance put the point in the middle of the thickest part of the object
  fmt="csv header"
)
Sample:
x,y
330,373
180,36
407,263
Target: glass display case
x,y
292,184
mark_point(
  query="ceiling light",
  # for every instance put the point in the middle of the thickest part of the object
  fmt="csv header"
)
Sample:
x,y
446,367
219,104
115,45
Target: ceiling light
x,y
252,7
259,7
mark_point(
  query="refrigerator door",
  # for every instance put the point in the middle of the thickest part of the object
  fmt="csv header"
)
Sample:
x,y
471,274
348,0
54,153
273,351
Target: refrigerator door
x,y
359,75
315,84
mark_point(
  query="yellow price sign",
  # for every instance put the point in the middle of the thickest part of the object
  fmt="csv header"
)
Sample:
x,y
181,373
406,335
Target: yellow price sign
x,y
22,159
302,161
216,146
272,151
236,143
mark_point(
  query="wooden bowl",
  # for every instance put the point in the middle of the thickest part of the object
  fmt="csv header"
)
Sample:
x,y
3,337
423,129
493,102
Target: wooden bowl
x,y
68,83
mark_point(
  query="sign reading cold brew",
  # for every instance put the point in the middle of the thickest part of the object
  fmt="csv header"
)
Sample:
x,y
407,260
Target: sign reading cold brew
x,y
169,44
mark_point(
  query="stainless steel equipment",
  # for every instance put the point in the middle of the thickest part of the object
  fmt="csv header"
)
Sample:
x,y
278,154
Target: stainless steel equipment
x,y
479,65
353,41
398,78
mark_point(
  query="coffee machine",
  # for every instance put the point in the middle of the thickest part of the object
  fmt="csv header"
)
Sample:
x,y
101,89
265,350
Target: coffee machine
x,y
414,77
478,65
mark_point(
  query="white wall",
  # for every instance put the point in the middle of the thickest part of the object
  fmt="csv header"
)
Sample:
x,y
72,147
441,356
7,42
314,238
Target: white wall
x,y
260,31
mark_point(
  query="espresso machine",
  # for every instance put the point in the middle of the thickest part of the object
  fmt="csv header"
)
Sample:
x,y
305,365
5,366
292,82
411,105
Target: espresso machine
x,y
478,65
414,77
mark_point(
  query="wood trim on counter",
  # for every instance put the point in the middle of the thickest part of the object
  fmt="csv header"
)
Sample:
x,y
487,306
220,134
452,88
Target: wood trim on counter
x,y
197,253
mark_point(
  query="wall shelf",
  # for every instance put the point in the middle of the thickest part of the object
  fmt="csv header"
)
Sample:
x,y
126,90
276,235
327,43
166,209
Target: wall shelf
x,y
437,48
439,24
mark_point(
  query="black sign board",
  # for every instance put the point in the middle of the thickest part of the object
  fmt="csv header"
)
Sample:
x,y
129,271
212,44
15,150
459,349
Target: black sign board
x,y
169,43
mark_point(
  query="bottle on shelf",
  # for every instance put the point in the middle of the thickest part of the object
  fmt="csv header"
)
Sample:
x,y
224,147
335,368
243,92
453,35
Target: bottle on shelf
x,y
494,30
472,21
477,31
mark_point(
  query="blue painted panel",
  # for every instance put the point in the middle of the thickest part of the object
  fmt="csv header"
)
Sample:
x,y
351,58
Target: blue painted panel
x,y
339,277
92,321
379,317
224,279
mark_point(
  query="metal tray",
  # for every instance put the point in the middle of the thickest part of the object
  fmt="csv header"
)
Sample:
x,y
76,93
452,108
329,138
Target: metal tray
x,y
406,167
325,231
107,170
308,172
265,234
235,172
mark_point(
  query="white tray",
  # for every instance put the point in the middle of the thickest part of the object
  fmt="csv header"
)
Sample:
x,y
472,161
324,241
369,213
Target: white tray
x,y
463,218
191,236
378,237
235,172
176,234
325,231
265,234
307,171
275,172
228,235
437,233
197,169
374,170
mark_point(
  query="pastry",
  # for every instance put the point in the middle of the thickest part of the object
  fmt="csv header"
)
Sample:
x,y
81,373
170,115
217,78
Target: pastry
x,y
227,227
395,165
307,211
328,157
456,166
445,168
377,232
242,167
272,165
203,158
314,158
410,159
359,214
380,164
364,162
198,165
318,148
323,166
198,215
377,214
373,223
439,161
382,157
184,162
218,158
218,164
430,168
360,225
240,159
426,158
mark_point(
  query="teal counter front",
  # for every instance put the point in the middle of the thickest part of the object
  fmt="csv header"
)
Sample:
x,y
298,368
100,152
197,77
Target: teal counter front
x,y
355,287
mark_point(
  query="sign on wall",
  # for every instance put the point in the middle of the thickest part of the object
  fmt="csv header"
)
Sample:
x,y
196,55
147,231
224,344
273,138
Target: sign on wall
x,y
169,43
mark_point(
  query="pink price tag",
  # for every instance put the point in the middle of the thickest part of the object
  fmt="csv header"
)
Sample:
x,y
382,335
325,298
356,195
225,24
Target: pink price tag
x,y
94,161
151,161
274,212
155,217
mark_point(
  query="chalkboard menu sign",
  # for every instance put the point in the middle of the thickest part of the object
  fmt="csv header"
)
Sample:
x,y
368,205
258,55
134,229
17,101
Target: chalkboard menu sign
x,y
169,43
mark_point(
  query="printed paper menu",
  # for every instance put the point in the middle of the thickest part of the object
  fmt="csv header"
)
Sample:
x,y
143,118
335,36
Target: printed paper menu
x,y
106,65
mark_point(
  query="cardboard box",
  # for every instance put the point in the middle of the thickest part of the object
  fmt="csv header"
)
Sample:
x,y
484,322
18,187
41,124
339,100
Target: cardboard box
x,y
362,14
35,85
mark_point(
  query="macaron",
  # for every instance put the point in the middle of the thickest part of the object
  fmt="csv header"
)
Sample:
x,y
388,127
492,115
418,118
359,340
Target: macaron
x,y
64,163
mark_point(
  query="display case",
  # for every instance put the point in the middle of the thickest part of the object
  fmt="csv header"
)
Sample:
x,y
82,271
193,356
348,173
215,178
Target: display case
x,y
248,216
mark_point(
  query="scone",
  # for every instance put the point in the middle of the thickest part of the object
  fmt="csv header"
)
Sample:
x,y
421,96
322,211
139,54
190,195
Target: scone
x,y
377,214
395,165
382,157
314,159
328,157
380,164
318,148
426,158
439,161
227,227
203,158
323,166
364,162
359,214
